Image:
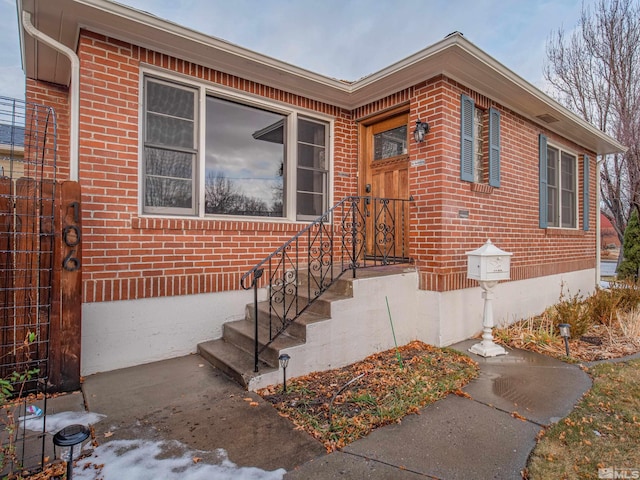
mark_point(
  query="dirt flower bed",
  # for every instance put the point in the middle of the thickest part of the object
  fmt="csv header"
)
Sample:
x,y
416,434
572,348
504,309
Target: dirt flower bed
x,y
598,343
604,325
339,406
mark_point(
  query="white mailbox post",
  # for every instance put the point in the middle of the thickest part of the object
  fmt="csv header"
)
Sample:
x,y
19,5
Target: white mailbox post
x,y
488,264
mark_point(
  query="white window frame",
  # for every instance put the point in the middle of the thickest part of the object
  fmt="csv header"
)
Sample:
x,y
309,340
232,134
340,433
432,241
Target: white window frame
x,y
560,151
204,89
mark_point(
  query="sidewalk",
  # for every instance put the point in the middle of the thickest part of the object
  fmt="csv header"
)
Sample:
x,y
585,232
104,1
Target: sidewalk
x,y
488,435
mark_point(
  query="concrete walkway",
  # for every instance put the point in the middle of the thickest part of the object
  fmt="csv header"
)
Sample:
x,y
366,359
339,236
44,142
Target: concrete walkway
x,y
486,436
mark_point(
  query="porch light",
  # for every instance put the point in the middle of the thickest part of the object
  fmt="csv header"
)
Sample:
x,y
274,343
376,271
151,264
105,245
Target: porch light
x,y
565,332
64,442
422,128
284,362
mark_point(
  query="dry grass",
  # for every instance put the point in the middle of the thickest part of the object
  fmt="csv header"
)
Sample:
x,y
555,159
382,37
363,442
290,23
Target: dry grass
x,y
602,432
629,324
538,334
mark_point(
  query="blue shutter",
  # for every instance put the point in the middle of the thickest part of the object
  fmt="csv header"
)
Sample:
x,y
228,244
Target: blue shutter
x,y
466,138
542,155
585,193
494,147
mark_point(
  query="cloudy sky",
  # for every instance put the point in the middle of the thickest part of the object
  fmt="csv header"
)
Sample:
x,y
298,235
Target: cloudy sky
x,y
346,39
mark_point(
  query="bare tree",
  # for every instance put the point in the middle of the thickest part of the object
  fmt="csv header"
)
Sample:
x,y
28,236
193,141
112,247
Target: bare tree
x,y
595,71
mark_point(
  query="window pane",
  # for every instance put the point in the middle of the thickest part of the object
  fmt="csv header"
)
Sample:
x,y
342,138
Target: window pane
x,y
168,163
311,132
310,156
170,100
168,180
552,187
311,181
168,192
568,210
172,132
568,169
310,204
245,158
478,138
390,143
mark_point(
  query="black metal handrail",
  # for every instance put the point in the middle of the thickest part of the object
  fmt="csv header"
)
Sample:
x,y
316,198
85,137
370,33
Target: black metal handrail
x,y
358,232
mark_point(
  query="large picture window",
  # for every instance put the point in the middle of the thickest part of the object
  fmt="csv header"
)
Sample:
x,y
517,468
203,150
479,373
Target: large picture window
x,y
245,164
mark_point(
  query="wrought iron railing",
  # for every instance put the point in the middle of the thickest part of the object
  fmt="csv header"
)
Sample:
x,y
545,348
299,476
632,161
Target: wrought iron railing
x,y
358,232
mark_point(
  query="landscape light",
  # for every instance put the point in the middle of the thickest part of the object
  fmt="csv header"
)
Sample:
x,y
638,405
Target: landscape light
x,y
284,362
65,441
565,332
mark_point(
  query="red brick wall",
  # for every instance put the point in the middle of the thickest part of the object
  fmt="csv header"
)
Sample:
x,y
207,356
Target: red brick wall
x,y
127,256
507,215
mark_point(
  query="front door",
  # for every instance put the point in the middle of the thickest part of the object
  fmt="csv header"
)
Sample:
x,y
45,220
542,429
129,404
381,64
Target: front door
x,y
385,167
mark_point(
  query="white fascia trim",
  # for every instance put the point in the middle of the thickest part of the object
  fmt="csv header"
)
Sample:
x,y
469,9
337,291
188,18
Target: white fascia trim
x,y
210,41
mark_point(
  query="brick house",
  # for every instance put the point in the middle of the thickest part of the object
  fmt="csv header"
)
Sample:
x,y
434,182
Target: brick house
x,y
156,122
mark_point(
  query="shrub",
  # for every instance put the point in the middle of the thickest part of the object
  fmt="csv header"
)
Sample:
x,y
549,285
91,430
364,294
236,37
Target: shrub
x,y
628,294
628,269
603,305
574,311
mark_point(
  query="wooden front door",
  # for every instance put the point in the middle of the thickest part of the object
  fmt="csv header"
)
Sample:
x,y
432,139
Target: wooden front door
x,y
385,167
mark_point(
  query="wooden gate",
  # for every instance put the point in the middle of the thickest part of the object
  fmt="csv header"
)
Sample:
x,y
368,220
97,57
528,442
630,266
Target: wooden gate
x,y
40,289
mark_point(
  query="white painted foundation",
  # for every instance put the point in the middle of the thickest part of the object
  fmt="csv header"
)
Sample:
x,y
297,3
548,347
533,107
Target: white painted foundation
x,y
132,332
127,333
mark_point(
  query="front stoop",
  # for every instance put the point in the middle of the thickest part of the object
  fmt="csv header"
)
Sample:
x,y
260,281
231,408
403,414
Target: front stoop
x,y
233,353
322,337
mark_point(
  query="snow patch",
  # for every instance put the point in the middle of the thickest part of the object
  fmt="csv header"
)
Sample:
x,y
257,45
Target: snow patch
x,y
57,421
150,460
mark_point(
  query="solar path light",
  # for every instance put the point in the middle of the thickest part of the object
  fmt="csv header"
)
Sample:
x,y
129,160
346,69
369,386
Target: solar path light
x,y
565,332
66,440
284,362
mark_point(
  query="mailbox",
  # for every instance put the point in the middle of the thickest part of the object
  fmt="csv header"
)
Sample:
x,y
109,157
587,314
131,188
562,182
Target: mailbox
x,y
488,263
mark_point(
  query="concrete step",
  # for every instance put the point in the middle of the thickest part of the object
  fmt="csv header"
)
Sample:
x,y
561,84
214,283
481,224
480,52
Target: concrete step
x,y
233,361
240,333
314,281
233,353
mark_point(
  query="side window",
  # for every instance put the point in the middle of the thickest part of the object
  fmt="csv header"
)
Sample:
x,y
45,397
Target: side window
x,y
170,148
313,169
479,143
559,187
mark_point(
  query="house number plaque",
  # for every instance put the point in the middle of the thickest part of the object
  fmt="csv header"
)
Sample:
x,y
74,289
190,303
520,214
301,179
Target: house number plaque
x,y
71,237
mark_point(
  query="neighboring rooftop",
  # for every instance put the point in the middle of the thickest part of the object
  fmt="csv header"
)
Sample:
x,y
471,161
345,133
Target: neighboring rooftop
x,y
12,135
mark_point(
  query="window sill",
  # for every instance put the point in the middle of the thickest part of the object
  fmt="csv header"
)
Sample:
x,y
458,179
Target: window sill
x,y
211,224
564,232
481,188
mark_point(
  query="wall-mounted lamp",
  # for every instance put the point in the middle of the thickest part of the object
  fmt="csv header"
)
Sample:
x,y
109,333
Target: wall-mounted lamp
x,y
422,128
284,362
565,332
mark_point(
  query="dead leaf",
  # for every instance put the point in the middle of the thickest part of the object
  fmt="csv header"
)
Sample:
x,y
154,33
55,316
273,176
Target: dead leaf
x,y
254,404
518,416
248,399
108,434
196,459
460,393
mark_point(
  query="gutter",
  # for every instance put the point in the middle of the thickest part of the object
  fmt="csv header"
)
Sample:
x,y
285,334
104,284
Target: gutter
x,y
74,90
598,238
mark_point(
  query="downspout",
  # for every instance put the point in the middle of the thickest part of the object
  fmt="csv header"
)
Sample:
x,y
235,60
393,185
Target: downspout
x,y
598,238
74,90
